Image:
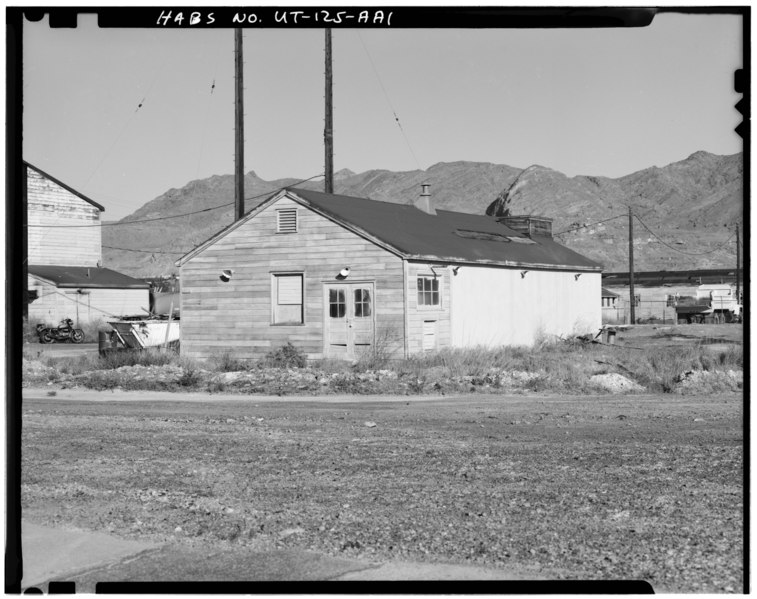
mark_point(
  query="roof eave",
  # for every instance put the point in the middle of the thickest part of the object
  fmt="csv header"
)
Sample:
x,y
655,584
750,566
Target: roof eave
x,y
503,263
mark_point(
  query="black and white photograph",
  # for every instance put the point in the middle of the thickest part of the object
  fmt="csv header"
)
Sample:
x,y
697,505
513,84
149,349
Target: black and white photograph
x,y
360,299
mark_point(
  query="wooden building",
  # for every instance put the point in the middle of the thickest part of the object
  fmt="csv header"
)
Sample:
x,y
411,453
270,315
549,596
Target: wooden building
x,y
336,276
66,278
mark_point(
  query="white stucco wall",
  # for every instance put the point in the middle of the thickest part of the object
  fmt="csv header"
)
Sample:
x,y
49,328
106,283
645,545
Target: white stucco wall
x,y
497,306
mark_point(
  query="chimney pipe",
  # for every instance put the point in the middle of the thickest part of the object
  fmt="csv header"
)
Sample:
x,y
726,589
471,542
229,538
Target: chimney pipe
x,y
424,201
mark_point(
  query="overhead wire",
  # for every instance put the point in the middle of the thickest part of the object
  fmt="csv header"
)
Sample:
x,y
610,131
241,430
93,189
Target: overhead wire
x,y
205,118
386,96
571,229
157,218
105,154
663,242
110,247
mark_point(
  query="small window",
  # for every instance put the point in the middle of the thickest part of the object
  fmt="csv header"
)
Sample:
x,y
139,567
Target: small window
x,y
428,291
671,301
287,299
286,220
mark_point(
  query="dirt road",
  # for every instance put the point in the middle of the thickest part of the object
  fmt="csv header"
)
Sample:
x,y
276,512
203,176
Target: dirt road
x,y
603,488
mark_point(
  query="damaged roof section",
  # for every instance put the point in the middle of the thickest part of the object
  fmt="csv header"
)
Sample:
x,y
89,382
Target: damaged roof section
x,y
446,236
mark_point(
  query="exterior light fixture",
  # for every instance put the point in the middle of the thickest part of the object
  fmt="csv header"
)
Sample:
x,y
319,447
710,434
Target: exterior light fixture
x,y
455,269
344,273
523,274
226,275
577,275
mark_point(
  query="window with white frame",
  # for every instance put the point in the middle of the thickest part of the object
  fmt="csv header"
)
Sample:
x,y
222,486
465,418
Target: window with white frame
x,y
428,291
287,298
286,220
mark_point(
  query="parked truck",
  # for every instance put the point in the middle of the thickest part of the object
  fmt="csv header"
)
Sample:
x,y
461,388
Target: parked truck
x,y
713,303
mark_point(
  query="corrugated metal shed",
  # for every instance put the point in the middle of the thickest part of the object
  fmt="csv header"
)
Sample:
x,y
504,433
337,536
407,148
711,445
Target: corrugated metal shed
x,y
82,276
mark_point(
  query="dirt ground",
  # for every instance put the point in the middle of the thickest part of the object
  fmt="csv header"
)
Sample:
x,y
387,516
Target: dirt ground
x,y
599,487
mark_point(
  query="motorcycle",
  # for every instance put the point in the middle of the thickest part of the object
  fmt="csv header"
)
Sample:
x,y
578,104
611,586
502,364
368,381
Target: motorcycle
x,y
63,333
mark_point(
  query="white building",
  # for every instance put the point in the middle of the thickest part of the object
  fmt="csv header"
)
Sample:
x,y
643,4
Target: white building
x,y
65,277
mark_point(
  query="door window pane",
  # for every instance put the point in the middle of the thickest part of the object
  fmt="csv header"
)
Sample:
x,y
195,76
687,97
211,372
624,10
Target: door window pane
x,y
362,303
337,303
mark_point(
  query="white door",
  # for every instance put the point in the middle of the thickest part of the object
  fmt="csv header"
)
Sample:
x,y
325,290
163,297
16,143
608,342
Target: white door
x,y
349,319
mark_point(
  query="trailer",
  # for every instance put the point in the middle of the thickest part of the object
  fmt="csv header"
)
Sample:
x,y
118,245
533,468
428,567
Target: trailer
x,y
712,303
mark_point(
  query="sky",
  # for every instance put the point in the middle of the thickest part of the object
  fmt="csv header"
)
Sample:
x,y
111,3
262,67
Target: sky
x,y
123,115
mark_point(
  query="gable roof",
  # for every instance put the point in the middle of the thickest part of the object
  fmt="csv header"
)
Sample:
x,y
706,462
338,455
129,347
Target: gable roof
x,y
64,186
84,276
452,237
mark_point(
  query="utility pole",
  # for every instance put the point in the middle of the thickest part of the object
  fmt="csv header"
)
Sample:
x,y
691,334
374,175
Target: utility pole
x,y
238,127
630,264
738,265
328,131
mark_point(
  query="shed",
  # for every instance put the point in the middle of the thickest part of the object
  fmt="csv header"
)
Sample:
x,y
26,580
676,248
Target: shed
x,y
337,276
84,294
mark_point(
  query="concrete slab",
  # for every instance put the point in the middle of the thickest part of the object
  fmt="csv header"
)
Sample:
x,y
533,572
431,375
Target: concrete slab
x,y
228,566
53,553
418,571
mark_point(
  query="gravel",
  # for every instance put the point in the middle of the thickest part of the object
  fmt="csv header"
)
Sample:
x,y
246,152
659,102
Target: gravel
x,y
612,487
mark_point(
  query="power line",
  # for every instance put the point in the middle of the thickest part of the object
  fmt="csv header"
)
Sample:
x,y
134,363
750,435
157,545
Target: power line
x,y
110,247
676,249
571,229
147,220
386,95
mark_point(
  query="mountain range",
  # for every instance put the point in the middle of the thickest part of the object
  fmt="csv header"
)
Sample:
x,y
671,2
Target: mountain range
x,y
684,213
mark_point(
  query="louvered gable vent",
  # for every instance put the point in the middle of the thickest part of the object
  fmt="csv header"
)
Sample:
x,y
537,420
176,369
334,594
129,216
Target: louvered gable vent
x,y
286,220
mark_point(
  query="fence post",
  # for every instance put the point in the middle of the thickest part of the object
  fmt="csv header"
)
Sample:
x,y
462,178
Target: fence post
x,y
168,328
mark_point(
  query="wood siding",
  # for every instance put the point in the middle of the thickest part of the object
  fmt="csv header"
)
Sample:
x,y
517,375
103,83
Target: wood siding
x,y
236,317
420,317
53,305
50,209
499,306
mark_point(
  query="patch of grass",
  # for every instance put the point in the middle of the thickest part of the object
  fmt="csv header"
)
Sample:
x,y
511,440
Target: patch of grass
x,y
225,362
136,357
287,356
552,366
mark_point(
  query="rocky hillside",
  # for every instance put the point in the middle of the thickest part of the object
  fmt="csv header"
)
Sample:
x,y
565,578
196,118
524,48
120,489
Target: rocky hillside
x,y
684,210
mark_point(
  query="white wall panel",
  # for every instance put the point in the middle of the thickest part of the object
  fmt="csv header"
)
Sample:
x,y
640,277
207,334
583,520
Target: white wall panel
x,y
498,306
